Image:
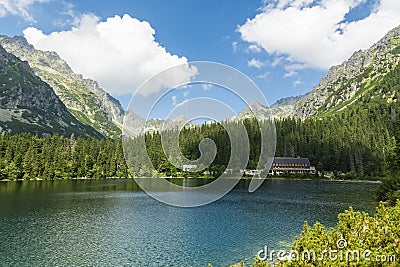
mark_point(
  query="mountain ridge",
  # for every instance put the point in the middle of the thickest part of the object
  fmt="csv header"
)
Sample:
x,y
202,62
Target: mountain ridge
x,y
345,83
27,104
84,98
285,107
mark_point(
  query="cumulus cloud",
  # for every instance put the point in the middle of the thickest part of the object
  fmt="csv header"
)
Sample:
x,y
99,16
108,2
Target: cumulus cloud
x,y
18,8
316,32
255,63
120,53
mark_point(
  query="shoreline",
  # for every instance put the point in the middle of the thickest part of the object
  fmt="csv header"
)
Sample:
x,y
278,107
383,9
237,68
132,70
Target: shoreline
x,y
210,178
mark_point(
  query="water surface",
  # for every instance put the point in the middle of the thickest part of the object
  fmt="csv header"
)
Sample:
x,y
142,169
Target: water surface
x,y
113,223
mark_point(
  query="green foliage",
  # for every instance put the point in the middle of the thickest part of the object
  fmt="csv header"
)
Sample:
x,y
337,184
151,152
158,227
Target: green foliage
x,y
376,88
356,142
81,101
259,263
396,50
354,139
389,190
27,156
30,105
357,240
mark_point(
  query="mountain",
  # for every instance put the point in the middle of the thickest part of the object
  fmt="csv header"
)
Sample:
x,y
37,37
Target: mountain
x,y
284,107
255,109
84,98
135,125
27,104
359,79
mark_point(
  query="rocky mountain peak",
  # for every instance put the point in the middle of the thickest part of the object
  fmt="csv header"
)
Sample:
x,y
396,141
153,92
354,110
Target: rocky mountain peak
x,y
85,99
27,104
344,82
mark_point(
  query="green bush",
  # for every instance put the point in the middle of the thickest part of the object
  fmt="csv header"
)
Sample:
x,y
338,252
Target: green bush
x,y
357,240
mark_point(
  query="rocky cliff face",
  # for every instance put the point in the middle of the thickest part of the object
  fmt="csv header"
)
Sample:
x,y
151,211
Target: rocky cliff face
x,y
344,83
254,110
285,107
84,98
282,108
136,125
27,104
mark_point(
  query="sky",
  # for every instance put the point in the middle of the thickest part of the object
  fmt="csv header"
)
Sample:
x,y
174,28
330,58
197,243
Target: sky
x,y
284,46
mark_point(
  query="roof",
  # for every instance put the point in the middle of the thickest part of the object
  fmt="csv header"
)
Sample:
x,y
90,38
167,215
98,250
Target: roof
x,y
282,160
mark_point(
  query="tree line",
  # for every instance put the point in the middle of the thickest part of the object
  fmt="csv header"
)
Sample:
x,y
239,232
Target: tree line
x,y
359,142
27,156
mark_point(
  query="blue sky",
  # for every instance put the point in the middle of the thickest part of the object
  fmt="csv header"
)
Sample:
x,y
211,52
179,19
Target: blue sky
x,y
284,46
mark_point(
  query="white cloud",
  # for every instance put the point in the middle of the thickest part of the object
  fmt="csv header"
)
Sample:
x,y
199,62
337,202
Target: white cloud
x,y
290,74
276,61
175,98
292,68
315,32
174,103
234,46
255,63
264,75
120,53
206,86
254,48
297,82
18,8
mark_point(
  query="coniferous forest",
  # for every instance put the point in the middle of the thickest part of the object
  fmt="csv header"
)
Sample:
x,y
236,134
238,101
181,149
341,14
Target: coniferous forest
x,y
27,156
356,143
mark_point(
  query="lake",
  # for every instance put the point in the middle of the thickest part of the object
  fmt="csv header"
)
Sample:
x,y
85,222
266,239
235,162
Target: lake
x,y
113,223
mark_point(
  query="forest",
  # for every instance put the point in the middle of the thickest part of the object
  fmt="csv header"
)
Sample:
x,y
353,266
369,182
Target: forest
x,y
356,143
26,156
357,140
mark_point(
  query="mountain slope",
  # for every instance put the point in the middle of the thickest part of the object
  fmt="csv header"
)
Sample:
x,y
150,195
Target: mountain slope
x,y
355,79
136,125
255,109
89,103
285,107
27,104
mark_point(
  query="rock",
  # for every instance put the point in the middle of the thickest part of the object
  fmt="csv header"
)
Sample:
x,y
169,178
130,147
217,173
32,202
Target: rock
x,y
344,81
86,100
27,104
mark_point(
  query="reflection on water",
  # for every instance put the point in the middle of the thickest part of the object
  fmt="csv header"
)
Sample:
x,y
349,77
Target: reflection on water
x,y
112,222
